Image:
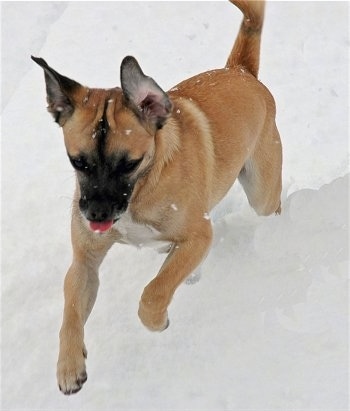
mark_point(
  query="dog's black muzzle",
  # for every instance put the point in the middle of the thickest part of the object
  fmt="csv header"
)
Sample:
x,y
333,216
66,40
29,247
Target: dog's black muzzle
x,y
104,196
99,209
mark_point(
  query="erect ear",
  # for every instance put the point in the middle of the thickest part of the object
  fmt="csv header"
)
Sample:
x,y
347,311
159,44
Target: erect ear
x,y
148,101
59,91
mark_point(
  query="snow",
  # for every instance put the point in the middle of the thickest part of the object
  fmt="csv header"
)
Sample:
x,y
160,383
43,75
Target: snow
x,y
266,327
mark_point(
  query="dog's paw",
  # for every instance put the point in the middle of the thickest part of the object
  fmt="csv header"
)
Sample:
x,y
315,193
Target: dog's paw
x,y
71,372
153,321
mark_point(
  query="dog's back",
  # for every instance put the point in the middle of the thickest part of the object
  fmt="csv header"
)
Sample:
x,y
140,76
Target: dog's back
x,y
249,150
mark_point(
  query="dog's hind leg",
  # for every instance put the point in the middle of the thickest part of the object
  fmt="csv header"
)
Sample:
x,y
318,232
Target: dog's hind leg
x,y
261,175
80,291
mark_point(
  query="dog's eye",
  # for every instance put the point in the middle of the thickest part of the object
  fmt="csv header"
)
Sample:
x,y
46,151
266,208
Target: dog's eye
x,y
79,164
125,166
131,165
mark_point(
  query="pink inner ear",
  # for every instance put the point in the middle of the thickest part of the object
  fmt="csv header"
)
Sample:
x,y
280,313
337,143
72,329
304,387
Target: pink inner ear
x,y
147,98
152,105
142,94
145,90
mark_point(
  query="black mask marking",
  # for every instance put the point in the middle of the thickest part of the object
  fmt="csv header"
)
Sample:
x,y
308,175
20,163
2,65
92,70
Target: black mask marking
x,y
106,182
101,131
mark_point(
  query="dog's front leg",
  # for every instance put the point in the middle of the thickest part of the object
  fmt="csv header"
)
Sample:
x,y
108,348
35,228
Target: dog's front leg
x,y
80,291
184,257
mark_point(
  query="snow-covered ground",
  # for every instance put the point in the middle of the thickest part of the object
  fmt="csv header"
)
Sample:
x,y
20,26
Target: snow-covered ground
x,y
266,327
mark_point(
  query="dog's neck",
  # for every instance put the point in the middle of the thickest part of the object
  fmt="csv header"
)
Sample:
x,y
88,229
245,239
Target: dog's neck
x,y
167,143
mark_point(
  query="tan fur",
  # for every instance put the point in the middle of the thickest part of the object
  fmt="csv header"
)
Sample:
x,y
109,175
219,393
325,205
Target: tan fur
x,y
222,127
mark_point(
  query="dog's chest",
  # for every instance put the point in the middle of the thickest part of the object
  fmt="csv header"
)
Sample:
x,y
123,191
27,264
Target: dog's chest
x,y
139,235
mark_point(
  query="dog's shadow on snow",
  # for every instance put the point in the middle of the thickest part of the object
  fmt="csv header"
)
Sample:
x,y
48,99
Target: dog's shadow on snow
x,y
270,263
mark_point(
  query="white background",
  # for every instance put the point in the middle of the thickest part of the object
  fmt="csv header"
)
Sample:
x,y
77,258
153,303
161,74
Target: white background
x,y
266,327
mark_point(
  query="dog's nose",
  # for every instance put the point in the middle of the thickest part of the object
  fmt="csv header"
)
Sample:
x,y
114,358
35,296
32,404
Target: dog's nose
x,y
96,210
98,215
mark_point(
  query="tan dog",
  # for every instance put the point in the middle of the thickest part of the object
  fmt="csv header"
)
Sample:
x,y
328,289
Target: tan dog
x,y
150,166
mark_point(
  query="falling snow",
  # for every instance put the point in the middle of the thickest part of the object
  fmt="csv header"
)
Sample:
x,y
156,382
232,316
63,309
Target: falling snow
x,y
269,315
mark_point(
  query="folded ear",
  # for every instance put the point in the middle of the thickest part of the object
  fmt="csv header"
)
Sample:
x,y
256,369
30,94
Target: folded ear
x,y
148,101
59,91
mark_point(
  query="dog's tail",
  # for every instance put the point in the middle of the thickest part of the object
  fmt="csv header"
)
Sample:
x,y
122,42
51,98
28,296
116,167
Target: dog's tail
x,y
246,49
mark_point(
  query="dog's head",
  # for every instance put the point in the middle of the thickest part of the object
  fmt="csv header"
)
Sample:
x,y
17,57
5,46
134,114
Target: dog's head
x,y
109,136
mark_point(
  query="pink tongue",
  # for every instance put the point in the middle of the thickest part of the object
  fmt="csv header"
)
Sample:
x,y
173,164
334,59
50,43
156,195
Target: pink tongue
x,y
100,226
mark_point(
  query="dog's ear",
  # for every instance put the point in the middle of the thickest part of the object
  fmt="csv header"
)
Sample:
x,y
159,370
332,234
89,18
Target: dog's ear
x,y
59,92
148,101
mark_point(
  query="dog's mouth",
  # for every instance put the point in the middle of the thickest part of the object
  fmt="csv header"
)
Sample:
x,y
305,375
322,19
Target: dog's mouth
x,y
101,215
102,226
